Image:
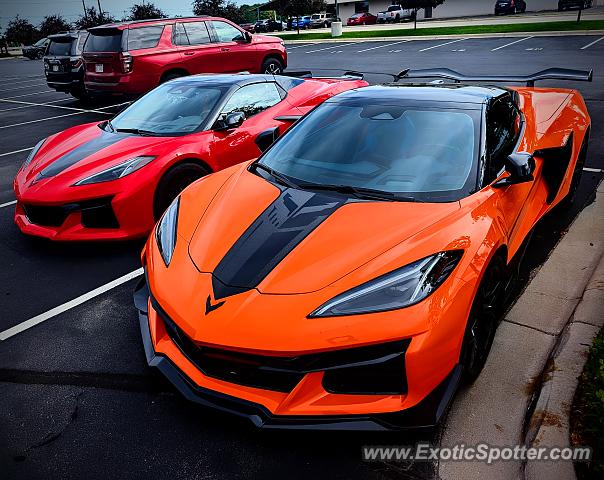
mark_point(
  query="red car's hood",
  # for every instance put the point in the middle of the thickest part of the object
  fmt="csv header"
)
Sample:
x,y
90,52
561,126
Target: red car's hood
x,y
83,150
252,235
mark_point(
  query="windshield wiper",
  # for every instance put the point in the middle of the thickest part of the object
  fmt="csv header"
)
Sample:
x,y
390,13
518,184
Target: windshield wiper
x,y
136,131
282,179
360,192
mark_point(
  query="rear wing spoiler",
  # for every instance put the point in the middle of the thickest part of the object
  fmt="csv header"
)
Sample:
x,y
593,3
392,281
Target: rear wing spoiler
x,y
547,74
349,75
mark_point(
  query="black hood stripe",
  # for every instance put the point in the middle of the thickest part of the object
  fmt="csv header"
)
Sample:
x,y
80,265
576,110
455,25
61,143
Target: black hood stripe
x,y
105,139
270,238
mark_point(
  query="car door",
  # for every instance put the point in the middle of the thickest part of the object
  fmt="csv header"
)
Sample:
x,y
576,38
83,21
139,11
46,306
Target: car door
x,y
199,54
515,202
237,54
258,101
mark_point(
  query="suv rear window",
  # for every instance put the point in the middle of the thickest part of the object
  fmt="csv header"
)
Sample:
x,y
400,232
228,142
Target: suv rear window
x,y
394,8
144,37
59,48
104,41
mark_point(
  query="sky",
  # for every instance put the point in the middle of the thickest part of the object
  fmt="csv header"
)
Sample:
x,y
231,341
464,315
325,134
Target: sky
x,y
35,10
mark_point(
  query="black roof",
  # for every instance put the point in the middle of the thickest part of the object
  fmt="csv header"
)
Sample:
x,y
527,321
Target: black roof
x,y
452,93
230,79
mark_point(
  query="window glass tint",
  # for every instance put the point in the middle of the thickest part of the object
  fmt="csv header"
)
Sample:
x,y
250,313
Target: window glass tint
x,y
197,33
60,49
394,8
171,108
144,37
253,99
503,127
104,43
41,43
427,154
180,35
226,32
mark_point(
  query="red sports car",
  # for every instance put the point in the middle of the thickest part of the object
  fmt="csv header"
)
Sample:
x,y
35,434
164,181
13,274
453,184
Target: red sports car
x,y
362,19
112,180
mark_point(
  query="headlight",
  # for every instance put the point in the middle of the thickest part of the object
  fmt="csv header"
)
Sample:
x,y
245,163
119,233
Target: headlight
x,y
32,154
400,288
165,232
118,171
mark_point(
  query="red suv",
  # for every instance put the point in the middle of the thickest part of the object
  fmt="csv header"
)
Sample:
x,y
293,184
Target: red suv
x,y
134,57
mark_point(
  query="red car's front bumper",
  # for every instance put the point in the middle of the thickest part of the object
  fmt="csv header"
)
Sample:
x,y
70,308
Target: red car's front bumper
x,y
97,212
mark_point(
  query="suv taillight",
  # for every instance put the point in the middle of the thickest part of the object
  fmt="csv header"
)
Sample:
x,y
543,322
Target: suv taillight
x,y
75,62
127,62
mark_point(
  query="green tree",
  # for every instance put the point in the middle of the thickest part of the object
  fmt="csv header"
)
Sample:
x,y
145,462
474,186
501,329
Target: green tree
x,y
21,31
144,11
215,8
53,24
92,19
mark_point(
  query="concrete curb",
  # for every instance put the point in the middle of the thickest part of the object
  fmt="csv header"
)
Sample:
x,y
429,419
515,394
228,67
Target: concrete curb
x,y
445,37
524,393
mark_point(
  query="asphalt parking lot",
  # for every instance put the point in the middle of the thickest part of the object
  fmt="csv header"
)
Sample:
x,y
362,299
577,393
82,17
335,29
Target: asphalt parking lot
x,y
76,396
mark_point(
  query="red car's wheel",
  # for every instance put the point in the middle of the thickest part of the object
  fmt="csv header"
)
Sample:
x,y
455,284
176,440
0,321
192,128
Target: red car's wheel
x,y
173,182
483,320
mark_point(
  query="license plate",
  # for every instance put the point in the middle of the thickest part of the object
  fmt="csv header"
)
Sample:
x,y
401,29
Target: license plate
x,y
98,68
55,68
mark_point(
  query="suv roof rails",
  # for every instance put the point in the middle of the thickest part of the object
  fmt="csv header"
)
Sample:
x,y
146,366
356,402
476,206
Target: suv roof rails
x,y
547,74
149,20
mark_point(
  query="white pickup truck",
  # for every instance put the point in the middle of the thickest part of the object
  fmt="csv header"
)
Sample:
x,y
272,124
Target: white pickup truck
x,y
395,13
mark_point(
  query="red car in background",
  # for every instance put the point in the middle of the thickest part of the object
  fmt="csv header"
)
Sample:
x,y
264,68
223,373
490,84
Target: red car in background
x,y
365,18
112,180
134,57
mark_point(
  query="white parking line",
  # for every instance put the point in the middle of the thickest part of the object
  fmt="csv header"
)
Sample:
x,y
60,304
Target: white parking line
x,y
30,94
299,46
16,151
335,46
53,312
79,112
33,104
382,46
512,43
443,44
23,88
592,43
30,105
19,80
593,170
7,204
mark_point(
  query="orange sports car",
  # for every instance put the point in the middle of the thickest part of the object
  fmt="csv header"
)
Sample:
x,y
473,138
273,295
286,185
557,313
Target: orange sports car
x,y
352,276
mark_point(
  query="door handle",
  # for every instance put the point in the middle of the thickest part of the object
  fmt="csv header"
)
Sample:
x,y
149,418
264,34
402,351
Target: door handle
x,y
188,54
224,49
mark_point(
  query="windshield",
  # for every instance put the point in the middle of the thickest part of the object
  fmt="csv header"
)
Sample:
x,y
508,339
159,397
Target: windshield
x,y
315,16
170,109
40,43
426,154
60,49
357,15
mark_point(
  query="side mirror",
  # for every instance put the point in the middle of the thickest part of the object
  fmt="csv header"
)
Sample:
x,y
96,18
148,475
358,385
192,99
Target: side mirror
x,y
247,37
265,139
520,167
230,121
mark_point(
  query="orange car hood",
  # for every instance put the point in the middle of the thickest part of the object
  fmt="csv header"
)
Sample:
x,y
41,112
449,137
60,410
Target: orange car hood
x,y
360,230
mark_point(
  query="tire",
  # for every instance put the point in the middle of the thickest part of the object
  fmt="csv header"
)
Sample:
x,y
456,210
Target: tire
x,y
173,182
568,201
483,320
80,94
271,66
397,19
166,77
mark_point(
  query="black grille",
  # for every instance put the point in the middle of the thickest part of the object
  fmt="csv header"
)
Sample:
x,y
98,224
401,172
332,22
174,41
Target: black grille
x,y
96,213
376,369
46,216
